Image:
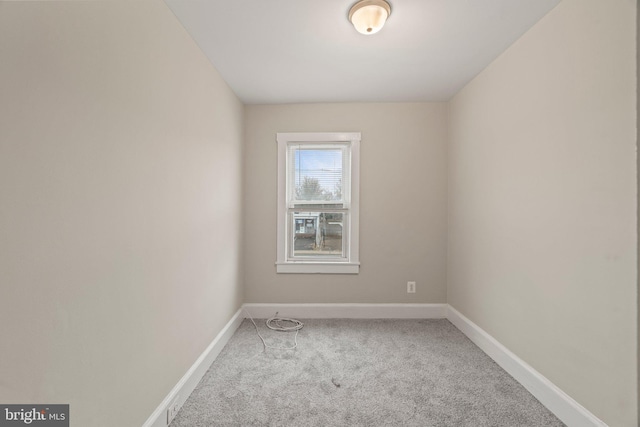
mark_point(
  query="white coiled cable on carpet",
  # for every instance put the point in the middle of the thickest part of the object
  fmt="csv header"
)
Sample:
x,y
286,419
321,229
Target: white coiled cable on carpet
x,y
275,323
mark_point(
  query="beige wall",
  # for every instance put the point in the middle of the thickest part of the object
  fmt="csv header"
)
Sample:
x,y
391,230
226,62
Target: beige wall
x,y
120,156
402,203
542,203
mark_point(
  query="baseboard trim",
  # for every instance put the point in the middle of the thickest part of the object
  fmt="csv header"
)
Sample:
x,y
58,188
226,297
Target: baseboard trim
x,y
190,380
561,404
347,311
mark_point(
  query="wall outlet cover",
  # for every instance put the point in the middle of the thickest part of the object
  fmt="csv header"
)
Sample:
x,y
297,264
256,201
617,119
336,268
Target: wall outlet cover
x,y
411,287
173,409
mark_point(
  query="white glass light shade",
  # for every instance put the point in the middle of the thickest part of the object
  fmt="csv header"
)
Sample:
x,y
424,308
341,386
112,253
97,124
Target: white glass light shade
x,y
369,16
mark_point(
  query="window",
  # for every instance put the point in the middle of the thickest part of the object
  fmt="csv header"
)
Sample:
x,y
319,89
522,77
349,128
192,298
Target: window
x,y
318,202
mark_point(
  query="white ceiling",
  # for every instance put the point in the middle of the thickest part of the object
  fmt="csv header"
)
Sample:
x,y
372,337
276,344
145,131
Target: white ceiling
x,y
288,51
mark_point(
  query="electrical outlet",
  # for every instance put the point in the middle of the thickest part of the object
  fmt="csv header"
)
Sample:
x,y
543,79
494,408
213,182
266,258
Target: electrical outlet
x,y
173,409
411,287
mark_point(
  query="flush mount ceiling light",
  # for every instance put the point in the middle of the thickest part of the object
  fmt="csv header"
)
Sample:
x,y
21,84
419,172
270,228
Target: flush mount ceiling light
x,y
368,16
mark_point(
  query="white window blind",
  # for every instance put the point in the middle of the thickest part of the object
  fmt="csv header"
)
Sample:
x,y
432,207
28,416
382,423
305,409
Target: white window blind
x,y
318,174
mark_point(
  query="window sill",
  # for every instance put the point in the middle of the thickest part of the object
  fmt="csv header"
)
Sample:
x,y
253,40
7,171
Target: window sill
x,y
318,268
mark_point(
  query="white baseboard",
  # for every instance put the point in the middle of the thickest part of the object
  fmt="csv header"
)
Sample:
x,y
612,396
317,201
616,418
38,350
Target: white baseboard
x,y
190,380
562,405
348,311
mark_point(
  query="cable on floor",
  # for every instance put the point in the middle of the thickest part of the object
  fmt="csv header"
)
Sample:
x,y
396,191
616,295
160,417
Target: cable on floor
x,y
280,324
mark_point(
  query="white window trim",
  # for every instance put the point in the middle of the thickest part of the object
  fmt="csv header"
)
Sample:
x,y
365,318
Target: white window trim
x,y
324,266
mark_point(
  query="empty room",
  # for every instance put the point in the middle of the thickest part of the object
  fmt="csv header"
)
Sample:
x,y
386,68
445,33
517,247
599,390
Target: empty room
x,y
436,200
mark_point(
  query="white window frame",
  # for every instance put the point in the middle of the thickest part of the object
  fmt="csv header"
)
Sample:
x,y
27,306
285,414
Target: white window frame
x,y
350,264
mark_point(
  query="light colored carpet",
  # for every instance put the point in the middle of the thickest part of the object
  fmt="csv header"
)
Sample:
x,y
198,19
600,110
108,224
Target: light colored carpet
x,y
350,372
